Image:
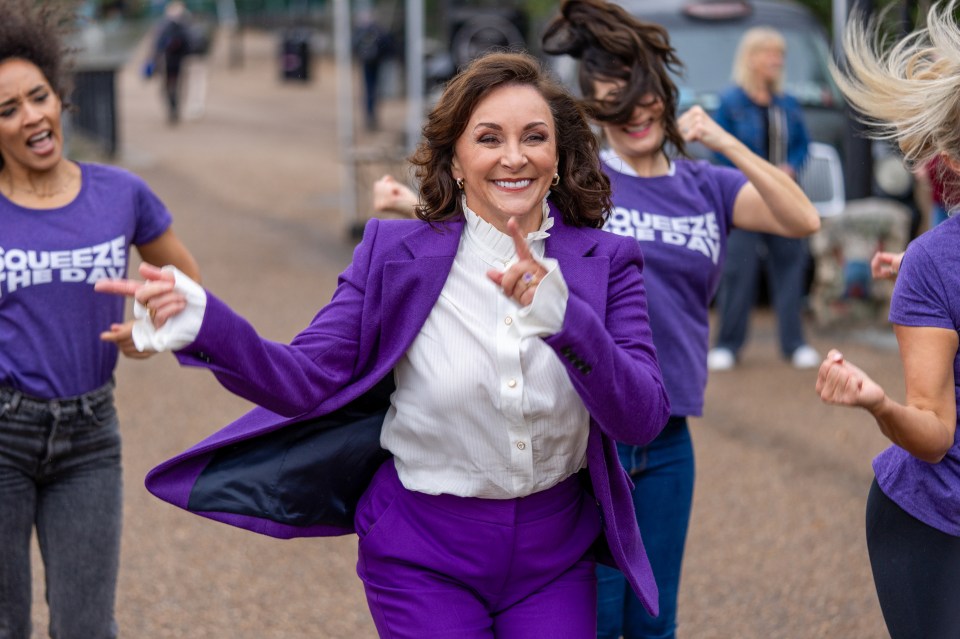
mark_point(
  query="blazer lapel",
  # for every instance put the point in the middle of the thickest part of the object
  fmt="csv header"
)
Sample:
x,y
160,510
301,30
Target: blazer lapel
x,y
412,284
586,278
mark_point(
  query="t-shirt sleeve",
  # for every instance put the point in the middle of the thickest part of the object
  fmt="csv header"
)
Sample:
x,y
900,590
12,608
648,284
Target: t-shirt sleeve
x,y
153,218
919,295
729,182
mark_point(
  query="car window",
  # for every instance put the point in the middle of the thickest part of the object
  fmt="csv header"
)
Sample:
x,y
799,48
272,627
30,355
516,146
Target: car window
x,y
707,52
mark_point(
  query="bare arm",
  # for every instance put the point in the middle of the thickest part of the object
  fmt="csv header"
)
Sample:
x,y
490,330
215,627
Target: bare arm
x,y
771,201
168,249
925,425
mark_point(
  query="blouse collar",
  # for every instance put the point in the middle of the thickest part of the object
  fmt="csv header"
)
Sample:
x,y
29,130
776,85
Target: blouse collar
x,y
497,247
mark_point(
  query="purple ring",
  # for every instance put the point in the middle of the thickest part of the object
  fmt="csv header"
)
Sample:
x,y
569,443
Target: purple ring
x,y
528,277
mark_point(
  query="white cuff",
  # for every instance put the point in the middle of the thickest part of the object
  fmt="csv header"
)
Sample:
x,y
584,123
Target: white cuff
x,y
544,316
177,331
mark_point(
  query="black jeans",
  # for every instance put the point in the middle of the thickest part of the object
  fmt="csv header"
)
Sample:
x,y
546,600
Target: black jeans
x,y
60,474
916,569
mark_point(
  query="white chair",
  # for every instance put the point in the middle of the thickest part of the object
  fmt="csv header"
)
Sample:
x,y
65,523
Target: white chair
x,y
822,179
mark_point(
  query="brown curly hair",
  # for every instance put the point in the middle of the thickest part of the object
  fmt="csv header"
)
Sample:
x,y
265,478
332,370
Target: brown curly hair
x,y
614,46
38,32
583,193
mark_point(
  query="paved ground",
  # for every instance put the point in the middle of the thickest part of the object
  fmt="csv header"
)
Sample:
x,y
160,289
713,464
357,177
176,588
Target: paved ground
x,y
776,548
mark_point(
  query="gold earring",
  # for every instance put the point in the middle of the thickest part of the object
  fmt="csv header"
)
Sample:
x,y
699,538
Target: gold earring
x,y
556,179
460,183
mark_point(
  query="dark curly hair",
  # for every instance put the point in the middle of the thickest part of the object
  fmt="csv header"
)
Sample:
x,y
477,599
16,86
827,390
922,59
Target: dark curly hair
x,y
583,193
38,32
614,46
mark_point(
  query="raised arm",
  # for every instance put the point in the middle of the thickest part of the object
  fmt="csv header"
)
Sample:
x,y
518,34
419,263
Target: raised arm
x,y
389,196
771,201
288,379
885,266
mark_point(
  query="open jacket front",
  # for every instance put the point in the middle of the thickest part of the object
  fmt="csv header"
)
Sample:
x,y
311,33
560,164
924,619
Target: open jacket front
x,y
340,368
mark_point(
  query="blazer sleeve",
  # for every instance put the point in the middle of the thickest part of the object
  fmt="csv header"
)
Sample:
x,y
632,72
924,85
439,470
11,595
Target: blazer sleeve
x,y
289,379
612,362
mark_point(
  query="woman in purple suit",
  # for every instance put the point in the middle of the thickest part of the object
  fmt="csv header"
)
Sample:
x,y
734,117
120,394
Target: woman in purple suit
x,y
512,333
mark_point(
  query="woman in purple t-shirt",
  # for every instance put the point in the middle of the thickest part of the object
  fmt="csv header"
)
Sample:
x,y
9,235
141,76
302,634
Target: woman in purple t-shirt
x,y
913,509
680,211
63,226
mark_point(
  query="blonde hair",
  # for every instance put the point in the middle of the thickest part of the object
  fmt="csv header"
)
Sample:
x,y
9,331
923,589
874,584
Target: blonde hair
x,y
911,92
752,41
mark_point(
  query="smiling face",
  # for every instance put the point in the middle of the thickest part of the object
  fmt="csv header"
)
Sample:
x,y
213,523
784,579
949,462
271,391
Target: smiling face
x,y
643,136
507,157
31,137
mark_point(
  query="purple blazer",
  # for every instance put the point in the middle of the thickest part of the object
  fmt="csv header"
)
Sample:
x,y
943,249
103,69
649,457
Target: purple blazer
x,y
382,300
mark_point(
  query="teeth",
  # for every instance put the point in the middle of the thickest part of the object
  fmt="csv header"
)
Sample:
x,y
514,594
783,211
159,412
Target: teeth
x,y
512,184
39,136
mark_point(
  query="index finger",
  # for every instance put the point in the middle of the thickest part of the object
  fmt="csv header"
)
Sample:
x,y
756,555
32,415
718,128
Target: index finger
x,y
519,241
118,286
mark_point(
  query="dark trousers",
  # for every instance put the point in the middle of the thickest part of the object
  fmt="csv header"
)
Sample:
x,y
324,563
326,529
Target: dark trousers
x,y
786,264
60,474
916,569
171,90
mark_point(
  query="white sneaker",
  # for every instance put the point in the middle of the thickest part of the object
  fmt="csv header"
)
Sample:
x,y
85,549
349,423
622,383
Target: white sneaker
x,y
805,357
721,359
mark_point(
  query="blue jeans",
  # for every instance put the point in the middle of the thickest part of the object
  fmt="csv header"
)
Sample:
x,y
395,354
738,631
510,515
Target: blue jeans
x,y
60,472
786,264
663,474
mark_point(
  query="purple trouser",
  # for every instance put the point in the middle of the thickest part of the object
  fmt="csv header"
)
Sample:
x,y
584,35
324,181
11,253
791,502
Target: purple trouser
x,y
444,566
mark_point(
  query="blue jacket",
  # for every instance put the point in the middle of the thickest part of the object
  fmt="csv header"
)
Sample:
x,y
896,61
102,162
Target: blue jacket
x,y
739,115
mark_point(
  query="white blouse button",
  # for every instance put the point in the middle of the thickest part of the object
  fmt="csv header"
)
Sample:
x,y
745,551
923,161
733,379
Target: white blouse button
x,y
508,320
521,445
512,383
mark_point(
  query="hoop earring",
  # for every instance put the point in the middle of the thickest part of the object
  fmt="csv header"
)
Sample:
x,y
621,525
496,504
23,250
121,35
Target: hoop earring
x,y
556,179
460,183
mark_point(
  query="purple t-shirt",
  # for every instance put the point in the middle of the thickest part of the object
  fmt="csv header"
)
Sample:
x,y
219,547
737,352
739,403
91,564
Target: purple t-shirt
x,y
681,220
927,293
50,316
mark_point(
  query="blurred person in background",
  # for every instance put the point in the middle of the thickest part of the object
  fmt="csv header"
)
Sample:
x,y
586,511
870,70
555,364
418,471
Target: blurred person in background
x,y
63,226
373,45
170,50
913,506
758,113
